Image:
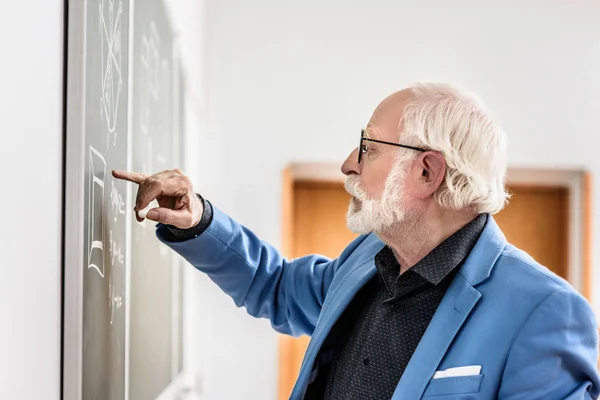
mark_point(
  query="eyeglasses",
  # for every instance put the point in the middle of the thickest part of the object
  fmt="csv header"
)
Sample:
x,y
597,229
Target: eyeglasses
x,y
362,149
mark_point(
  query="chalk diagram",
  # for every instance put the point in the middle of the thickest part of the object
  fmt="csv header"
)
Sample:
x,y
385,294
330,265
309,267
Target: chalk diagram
x,y
97,167
110,47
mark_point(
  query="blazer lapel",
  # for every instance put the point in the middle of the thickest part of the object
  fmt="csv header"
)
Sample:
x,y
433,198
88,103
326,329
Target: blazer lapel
x,y
454,309
335,303
457,304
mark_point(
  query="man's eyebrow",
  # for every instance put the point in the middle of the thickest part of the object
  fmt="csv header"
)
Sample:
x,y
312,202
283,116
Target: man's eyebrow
x,y
368,134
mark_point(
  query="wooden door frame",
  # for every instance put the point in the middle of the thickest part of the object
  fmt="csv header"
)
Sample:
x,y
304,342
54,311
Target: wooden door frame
x,y
286,343
577,182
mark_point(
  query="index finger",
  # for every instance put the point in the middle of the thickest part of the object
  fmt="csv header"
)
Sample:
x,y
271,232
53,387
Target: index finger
x,y
134,177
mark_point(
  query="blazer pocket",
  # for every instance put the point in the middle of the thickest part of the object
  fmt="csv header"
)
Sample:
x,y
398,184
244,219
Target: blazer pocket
x,y
453,385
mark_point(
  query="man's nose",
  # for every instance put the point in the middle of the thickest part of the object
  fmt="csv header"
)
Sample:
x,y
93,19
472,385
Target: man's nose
x,y
351,165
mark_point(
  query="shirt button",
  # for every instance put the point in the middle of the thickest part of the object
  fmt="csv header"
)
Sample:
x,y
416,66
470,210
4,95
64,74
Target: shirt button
x,y
366,361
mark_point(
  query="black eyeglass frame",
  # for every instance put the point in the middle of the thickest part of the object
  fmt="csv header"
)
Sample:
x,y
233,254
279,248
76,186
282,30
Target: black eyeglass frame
x,y
363,138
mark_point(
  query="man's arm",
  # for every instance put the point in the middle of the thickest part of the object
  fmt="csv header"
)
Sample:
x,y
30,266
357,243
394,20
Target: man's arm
x,y
253,273
555,355
256,276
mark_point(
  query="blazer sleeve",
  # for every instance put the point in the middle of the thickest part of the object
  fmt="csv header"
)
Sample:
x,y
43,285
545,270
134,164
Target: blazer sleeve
x,y
555,355
290,293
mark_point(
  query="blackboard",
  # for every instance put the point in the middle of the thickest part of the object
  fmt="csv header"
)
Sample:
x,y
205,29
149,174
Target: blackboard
x,y
122,287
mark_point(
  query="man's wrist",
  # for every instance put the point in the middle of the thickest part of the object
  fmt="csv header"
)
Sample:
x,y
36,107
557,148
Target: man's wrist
x,y
180,235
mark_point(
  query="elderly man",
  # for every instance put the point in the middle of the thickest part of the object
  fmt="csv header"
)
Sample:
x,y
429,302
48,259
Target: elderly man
x,y
430,301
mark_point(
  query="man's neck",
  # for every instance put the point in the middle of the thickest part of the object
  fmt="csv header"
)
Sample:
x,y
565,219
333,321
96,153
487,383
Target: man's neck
x,y
417,236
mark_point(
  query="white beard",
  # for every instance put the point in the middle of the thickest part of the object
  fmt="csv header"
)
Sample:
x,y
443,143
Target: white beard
x,y
377,215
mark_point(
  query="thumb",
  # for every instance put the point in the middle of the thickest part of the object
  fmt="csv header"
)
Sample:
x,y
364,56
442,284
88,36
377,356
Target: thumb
x,y
181,219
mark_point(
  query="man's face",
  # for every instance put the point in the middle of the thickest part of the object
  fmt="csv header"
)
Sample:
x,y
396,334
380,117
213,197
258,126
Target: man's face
x,y
377,184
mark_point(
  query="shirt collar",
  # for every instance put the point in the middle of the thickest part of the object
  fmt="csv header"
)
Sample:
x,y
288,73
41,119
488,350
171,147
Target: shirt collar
x,y
436,265
442,260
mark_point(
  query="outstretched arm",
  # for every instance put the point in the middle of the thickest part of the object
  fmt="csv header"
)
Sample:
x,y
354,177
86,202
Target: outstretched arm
x,y
253,273
289,293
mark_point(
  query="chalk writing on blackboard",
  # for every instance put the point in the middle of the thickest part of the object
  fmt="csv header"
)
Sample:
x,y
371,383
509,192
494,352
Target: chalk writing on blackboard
x,y
115,301
110,51
117,203
116,252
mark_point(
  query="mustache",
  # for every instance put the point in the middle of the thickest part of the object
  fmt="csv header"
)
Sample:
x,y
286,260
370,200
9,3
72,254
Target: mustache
x,y
354,188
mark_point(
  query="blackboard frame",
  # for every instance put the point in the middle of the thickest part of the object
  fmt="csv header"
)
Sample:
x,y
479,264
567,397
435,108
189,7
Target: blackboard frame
x,y
73,247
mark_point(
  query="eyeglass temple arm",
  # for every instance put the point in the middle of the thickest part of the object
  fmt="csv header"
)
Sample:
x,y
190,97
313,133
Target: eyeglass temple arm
x,y
393,144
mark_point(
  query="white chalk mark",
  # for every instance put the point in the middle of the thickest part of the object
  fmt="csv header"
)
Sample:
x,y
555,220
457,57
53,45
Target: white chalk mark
x,y
115,301
99,182
116,201
97,167
110,51
116,253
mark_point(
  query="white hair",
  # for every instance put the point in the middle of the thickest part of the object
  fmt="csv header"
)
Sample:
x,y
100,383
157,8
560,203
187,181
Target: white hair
x,y
446,118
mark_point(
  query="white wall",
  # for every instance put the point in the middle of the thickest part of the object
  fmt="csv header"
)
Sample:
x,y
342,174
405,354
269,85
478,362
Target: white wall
x,y
30,199
295,81
218,342
188,18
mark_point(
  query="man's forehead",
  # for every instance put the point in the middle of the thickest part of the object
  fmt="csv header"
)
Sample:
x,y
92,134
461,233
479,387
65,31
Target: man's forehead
x,y
389,132
386,119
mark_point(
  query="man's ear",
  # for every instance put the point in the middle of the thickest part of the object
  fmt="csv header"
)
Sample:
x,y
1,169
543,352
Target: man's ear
x,y
433,171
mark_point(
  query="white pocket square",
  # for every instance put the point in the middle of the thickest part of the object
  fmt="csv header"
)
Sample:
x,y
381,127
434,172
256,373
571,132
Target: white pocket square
x,y
458,371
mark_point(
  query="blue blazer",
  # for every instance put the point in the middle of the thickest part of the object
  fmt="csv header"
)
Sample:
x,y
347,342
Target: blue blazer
x,y
532,334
